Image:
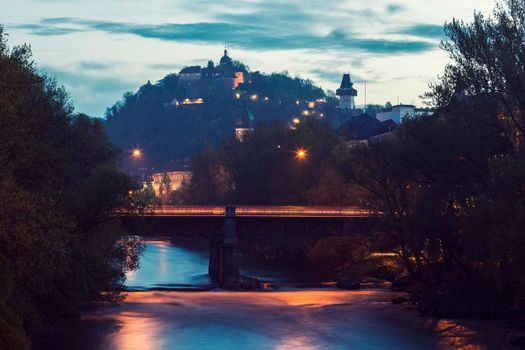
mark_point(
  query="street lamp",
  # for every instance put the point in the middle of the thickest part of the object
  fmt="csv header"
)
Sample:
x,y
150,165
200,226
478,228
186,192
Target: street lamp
x,y
136,153
301,154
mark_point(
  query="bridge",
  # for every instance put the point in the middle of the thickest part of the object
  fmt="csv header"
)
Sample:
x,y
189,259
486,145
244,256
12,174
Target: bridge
x,y
256,212
223,226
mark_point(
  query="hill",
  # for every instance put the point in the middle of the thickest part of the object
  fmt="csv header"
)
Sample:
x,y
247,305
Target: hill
x,y
167,125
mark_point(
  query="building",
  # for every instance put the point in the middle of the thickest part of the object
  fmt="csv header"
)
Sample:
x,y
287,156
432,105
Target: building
x,y
346,93
399,112
244,124
196,82
176,179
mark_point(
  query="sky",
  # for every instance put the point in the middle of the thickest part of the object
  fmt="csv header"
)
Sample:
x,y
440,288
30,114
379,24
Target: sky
x,y
99,49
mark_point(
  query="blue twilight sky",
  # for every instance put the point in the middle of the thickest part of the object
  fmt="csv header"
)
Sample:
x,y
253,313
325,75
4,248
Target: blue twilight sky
x,y
99,49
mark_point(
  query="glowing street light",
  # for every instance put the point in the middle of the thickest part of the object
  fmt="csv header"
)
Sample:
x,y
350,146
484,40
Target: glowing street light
x,y
301,154
296,121
136,153
253,97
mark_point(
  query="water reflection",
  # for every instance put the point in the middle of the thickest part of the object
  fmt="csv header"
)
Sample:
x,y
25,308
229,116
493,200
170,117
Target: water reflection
x,y
296,319
164,265
306,319
309,319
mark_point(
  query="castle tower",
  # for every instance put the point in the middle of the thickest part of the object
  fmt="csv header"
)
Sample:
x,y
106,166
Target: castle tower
x,y
226,64
346,93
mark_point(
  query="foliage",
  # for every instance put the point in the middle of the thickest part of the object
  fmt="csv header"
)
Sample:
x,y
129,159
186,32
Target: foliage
x,y
335,255
165,188
143,199
452,186
263,168
59,188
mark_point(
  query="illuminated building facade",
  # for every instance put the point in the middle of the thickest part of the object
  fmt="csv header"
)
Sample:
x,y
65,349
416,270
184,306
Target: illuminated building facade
x,y
177,178
195,82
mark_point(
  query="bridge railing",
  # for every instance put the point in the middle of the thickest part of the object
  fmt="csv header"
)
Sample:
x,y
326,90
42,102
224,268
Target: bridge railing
x,y
258,211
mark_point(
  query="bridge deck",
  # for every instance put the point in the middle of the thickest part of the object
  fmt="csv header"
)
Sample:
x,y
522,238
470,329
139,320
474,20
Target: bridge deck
x,y
261,211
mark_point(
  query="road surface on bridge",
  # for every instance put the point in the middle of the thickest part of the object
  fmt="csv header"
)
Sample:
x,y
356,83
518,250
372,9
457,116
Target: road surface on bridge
x,y
260,211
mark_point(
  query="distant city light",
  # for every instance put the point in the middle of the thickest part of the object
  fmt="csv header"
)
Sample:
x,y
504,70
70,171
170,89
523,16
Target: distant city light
x,y
253,97
301,154
311,104
188,101
305,112
237,95
266,98
296,121
297,102
136,153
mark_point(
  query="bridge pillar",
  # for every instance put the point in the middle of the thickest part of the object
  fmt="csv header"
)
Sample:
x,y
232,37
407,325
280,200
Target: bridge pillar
x,y
224,254
215,257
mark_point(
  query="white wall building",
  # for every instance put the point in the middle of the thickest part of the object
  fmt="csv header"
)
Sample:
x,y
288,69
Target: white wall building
x,y
176,180
399,112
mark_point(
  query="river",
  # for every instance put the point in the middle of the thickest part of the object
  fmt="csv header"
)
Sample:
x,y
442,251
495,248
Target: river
x,y
169,306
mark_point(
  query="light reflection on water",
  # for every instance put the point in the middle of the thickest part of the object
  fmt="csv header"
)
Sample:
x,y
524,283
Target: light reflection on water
x,y
164,265
310,319
296,319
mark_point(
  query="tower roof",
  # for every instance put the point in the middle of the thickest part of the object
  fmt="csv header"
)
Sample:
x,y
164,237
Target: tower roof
x,y
226,60
346,88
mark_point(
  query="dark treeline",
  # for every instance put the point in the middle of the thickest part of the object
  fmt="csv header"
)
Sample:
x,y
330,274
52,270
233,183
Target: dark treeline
x,y
264,168
60,244
451,186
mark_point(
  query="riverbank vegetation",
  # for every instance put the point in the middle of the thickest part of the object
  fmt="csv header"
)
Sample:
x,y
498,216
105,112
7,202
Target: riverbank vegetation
x,y
60,244
451,186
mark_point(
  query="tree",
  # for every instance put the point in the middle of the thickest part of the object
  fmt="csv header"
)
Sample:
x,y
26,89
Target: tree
x,y
60,242
263,169
165,188
451,185
372,109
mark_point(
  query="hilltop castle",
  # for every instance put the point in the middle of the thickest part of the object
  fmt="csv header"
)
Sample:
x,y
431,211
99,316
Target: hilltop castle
x,y
196,82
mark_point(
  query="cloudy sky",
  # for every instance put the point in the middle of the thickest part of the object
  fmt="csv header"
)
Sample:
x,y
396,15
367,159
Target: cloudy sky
x,y
99,49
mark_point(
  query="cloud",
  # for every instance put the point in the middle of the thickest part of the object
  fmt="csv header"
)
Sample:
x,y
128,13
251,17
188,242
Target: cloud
x,y
38,29
94,66
430,31
335,76
92,90
395,8
247,36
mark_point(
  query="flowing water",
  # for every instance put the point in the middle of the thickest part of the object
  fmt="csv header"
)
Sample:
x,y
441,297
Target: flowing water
x,y
170,307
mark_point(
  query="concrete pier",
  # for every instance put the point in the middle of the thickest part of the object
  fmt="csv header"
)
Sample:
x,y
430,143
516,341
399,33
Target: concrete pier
x,y
224,254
